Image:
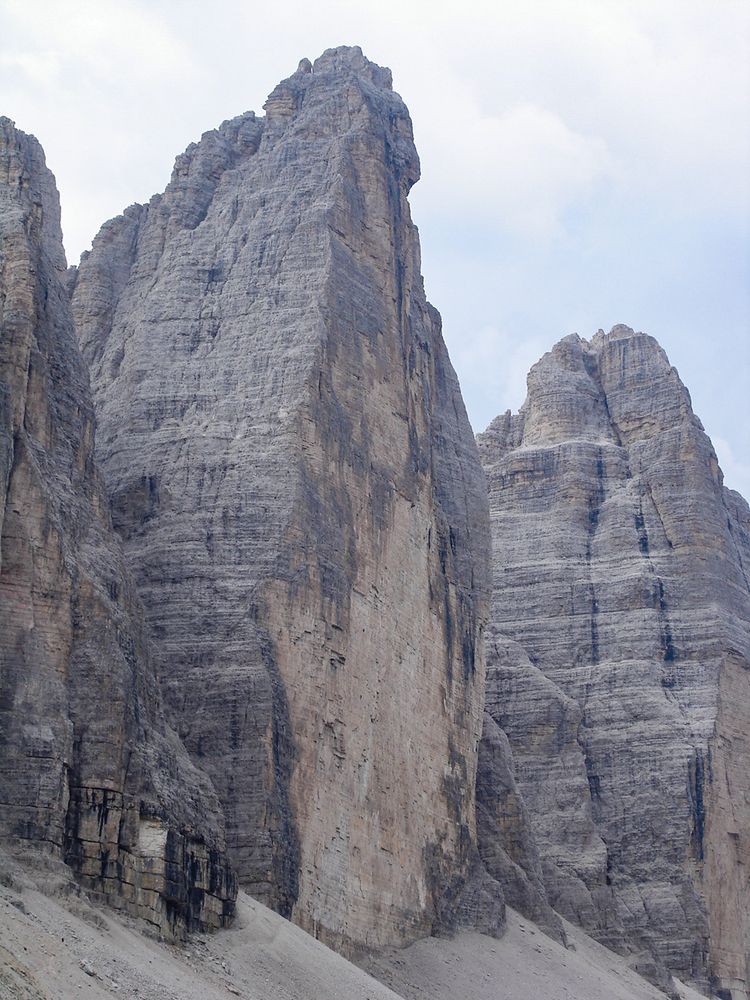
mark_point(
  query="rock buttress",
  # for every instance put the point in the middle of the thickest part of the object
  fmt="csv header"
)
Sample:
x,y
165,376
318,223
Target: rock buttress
x,y
292,471
88,769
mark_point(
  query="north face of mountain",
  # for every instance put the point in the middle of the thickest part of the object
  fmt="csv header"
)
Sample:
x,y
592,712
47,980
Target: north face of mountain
x,y
296,483
619,660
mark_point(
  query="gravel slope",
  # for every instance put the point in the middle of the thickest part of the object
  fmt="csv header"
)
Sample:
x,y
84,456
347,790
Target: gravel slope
x,y
56,946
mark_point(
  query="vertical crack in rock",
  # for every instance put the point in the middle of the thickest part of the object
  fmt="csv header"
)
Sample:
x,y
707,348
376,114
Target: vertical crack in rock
x,y
645,577
697,778
314,566
89,772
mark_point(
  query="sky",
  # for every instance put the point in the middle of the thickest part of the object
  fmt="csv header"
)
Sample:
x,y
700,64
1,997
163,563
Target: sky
x,y
584,162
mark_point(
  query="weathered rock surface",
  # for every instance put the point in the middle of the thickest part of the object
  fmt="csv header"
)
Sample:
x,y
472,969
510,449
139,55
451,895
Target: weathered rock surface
x,y
293,474
619,660
88,769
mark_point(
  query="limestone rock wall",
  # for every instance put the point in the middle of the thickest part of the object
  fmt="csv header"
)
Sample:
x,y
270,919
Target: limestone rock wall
x,y
293,474
88,769
620,654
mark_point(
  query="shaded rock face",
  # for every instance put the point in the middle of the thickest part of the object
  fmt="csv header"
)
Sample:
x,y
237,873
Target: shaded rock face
x,y
294,477
506,841
618,664
88,769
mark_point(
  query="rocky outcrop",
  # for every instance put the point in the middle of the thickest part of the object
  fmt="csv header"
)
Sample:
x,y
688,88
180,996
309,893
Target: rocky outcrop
x,y
294,477
88,769
507,844
619,665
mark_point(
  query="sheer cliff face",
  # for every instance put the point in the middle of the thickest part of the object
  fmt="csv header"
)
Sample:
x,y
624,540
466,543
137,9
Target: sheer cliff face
x,y
88,769
293,474
619,657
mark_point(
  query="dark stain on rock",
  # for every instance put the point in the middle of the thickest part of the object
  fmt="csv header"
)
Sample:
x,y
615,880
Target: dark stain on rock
x,y
640,527
696,784
285,848
468,652
669,651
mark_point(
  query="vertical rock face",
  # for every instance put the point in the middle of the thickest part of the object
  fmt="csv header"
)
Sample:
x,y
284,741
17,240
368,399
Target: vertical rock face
x,y
296,483
619,665
88,768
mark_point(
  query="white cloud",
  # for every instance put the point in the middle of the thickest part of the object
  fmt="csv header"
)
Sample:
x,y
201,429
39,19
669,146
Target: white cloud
x,y
522,169
97,37
662,87
493,364
736,472
94,81
41,69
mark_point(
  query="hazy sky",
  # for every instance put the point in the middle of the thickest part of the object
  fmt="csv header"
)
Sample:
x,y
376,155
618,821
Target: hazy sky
x,y
584,162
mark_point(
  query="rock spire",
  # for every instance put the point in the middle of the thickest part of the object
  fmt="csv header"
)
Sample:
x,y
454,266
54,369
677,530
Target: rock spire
x,y
619,655
297,487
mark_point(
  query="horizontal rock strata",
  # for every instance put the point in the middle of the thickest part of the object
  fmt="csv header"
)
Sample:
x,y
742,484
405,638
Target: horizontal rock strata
x,y
295,480
619,659
88,769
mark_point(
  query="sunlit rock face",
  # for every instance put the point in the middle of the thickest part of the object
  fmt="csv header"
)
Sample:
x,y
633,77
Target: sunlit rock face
x,y
89,772
618,661
297,486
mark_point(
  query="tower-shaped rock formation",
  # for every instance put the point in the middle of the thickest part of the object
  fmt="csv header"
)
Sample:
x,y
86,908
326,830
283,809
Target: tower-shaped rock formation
x,y
619,661
88,769
293,474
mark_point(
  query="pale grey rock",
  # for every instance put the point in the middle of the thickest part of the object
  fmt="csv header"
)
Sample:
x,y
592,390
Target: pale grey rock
x,y
292,471
568,859
507,844
88,769
619,666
